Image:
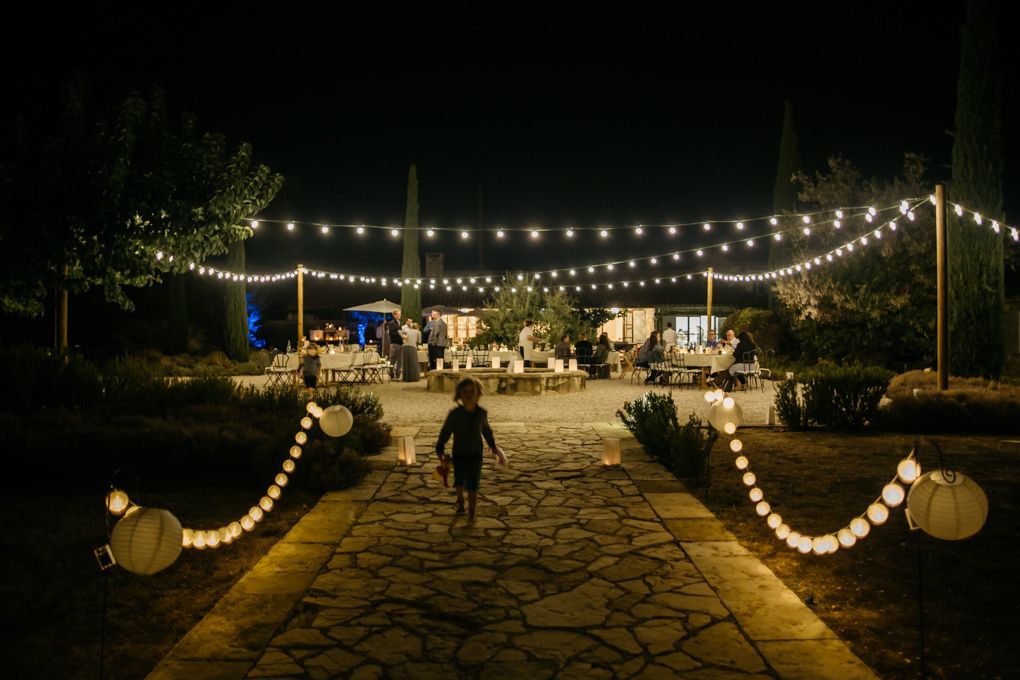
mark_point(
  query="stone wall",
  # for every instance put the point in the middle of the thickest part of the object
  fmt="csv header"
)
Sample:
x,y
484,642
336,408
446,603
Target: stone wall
x,y
531,382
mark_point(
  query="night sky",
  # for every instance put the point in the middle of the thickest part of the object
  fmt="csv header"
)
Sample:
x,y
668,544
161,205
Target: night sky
x,y
573,116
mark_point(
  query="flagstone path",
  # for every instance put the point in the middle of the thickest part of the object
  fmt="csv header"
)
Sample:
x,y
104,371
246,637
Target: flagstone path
x,y
571,570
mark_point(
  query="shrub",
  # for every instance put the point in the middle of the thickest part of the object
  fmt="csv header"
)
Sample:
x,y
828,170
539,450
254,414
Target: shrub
x,y
845,396
682,449
327,465
35,378
790,405
914,404
358,403
130,379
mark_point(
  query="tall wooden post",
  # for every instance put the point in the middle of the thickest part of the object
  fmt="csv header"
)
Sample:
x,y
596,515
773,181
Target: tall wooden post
x,y
942,283
300,304
61,311
710,299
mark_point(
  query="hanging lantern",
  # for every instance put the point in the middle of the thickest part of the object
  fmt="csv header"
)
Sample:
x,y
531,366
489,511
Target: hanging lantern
x,y
274,492
908,470
773,520
306,423
860,527
266,503
117,502
893,494
311,407
724,412
288,465
147,540
878,513
281,480
782,531
749,479
756,494
301,437
947,506
846,538
295,452
763,508
336,421
742,462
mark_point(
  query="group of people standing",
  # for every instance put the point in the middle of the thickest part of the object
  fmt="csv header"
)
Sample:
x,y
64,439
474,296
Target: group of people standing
x,y
404,340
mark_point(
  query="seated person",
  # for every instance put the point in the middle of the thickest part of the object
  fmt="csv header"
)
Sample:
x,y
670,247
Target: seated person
x,y
583,349
745,349
712,342
730,343
599,361
652,352
563,349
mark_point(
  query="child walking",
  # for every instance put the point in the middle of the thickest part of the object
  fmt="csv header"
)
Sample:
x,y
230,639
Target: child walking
x,y
468,424
310,365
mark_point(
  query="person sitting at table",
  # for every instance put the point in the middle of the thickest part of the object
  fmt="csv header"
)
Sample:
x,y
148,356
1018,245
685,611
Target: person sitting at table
x,y
562,349
600,360
730,343
712,342
745,349
651,352
583,349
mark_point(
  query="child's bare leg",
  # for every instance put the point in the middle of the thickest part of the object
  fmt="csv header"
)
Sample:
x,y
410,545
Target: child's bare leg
x,y
460,493
472,501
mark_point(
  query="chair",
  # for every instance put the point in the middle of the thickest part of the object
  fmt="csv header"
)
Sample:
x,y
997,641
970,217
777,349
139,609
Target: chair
x,y
694,373
627,359
460,356
277,373
480,358
750,372
584,358
767,361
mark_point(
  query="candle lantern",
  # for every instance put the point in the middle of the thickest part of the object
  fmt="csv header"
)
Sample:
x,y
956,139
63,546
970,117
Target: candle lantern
x,y
439,364
518,366
573,365
558,366
611,451
495,362
405,450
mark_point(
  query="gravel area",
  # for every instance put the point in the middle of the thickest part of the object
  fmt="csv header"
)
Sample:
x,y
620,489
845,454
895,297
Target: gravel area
x,y
413,404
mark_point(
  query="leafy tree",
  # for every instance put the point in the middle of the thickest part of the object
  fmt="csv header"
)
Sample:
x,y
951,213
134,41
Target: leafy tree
x,y
876,304
976,258
410,295
118,200
235,306
504,314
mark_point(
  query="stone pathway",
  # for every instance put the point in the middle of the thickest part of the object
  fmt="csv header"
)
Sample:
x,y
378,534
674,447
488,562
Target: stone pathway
x,y
571,570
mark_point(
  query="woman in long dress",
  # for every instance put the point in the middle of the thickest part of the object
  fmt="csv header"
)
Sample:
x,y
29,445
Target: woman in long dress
x,y
411,371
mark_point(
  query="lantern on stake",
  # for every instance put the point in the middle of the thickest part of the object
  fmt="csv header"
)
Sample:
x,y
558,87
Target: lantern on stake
x,y
336,421
147,540
946,504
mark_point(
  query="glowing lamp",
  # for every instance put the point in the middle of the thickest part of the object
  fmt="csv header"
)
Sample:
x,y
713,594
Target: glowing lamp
x,y
793,539
274,492
288,465
495,362
749,478
225,536
846,538
117,502
213,539
729,428
518,366
805,545
878,513
893,494
773,520
455,366
736,445
306,423
405,451
558,366
198,540
187,536
234,529
742,462
782,531
281,479
908,470
311,407
721,415
763,508
710,397
756,494
439,364
147,540
572,365
949,509
295,452
247,523
336,421
266,503
256,513
301,437
611,451
860,527
819,546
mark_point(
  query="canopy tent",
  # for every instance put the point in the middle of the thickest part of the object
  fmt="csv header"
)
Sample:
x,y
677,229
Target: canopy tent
x,y
383,306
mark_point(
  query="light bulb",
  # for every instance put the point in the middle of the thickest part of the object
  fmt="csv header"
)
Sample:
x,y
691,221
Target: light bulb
x,y
756,494
773,521
893,494
878,513
736,445
742,463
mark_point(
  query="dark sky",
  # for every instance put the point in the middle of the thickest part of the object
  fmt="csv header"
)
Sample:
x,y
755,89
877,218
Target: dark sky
x,y
571,116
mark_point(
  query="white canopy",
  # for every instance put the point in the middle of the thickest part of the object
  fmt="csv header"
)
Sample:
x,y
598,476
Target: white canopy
x,y
383,306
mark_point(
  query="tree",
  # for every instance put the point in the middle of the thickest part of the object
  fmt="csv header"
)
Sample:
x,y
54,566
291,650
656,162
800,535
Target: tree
x,y
876,304
976,257
118,200
554,312
784,193
410,270
235,306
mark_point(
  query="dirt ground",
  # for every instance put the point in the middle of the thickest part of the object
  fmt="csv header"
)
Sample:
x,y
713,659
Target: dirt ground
x,y
872,594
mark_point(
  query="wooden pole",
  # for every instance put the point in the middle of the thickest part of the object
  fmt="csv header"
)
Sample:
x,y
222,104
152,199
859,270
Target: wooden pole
x,y
942,281
710,299
61,319
300,304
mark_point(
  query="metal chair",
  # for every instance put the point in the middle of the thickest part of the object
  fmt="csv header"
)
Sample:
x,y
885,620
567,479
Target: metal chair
x,y
277,373
767,361
480,358
460,356
750,370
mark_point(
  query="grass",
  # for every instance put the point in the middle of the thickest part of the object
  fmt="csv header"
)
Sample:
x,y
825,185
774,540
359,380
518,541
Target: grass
x,y
870,594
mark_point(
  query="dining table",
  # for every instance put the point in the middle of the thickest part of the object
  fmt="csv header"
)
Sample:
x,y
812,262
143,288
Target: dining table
x,y
335,365
709,363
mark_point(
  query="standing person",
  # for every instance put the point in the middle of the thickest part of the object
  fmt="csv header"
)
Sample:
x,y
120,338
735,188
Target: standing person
x,y
396,336
310,366
468,424
409,356
437,339
526,342
669,337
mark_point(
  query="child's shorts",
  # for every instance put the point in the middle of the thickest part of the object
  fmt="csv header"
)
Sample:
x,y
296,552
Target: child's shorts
x,y
310,381
467,472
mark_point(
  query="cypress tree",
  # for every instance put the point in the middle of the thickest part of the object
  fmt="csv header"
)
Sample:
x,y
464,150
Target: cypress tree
x,y
235,306
410,271
784,192
976,259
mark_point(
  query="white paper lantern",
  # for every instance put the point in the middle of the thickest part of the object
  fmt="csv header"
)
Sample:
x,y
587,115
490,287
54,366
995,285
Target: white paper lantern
x,y
749,478
281,480
792,538
846,538
860,527
763,508
187,536
306,423
721,414
117,502
558,365
288,465
495,362
336,421
877,513
295,451
908,470
518,366
611,451
147,540
945,509
736,445
311,407
234,528
266,503
893,494
742,462
405,451
805,545
774,520
439,364
573,365
247,523
756,494
274,492
782,531
301,437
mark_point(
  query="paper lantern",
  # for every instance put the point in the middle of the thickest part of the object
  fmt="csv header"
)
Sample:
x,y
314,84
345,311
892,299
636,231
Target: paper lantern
x,y
439,364
147,540
793,539
782,531
274,492
860,527
187,536
467,364
946,509
846,538
908,470
805,545
281,479
336,421
749,478
198,540
306,423
311,407
736,445
877,513
742,462
518,366
763,508
611,451
256,513
495,362
893,494
117,502
247,523
721,414
456,366
773,520
301,437
213,539
295,451
756,494
573,365
266,503
405,451
234,528
558,366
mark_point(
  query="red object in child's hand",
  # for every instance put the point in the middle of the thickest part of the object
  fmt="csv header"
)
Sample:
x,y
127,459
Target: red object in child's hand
x,y
442,472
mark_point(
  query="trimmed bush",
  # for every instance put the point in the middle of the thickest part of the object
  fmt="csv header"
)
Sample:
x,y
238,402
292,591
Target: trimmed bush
x,y
35,378
683,449
914,404
790,405
845,396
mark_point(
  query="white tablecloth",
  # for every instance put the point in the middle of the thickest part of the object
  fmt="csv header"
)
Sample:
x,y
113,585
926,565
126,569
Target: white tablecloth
x,y
714,362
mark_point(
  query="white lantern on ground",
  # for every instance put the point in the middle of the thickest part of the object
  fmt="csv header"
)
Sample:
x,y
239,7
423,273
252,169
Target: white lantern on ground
x,y
495,362
805,545
725,411
147,540
234,528
573,365
405,451
518,366
611,451
336,421
439,364
558,366
947,506
456,366
187,536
